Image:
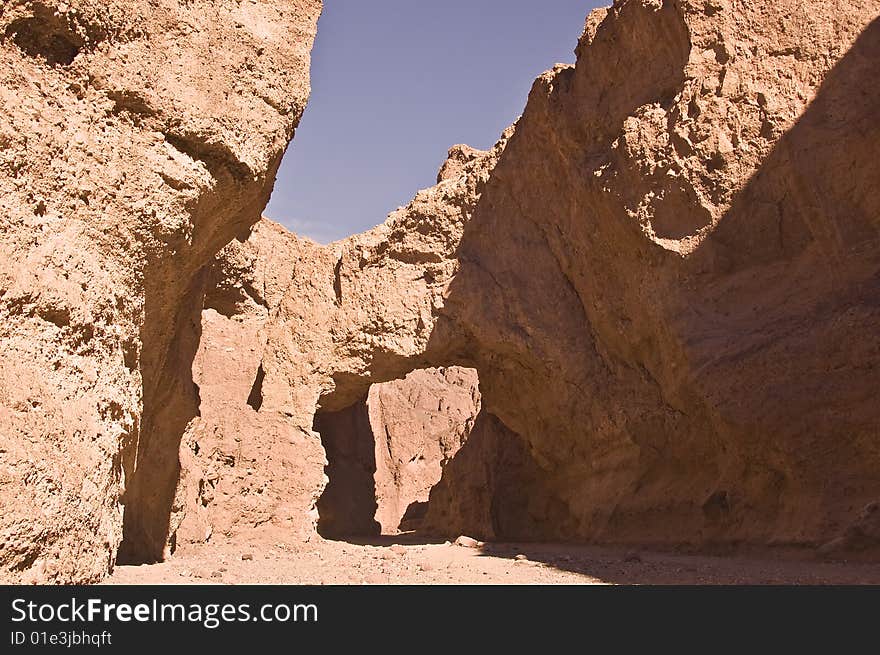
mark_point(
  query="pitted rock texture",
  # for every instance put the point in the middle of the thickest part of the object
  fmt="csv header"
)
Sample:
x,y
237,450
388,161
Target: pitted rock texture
x,y
132,152
685,352
694,251
664,277
312,328
419,424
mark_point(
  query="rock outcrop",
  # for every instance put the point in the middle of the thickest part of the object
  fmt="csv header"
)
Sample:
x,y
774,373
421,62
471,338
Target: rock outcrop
x,y
291,329
684,353
664,278
131,154
419,424
246,470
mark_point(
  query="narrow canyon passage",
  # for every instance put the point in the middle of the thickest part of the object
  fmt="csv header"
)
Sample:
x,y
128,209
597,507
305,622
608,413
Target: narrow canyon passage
x,y
421,456
665,272
386,452
348,505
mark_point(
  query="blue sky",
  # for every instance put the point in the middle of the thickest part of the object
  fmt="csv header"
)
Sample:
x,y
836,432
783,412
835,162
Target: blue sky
x,y
394,84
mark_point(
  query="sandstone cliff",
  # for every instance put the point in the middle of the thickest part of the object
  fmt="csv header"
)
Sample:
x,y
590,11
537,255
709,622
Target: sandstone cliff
x,y
664,278
138,138
291,329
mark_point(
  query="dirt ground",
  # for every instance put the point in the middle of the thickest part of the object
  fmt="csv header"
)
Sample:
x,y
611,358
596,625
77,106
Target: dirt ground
x,y
394,560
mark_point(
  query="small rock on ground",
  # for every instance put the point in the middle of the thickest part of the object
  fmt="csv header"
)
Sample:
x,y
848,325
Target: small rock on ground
x,y
468,542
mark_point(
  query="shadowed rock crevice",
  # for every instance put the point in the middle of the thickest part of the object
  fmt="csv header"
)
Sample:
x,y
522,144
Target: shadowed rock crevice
x,y
387,451
171,401
255,398
418,455
348,505
493,489
170,338
106,229
55,37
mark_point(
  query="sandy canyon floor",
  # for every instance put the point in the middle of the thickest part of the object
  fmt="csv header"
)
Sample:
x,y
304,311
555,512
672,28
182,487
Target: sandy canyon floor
x,y
397,560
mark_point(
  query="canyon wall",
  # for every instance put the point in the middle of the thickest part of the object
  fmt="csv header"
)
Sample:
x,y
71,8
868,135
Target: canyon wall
x,y
713,267
294,333
132,152
686,352
666,277
246,471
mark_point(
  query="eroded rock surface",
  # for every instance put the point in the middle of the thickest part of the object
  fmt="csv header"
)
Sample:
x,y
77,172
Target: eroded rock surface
x,y
419,424
312,328
664,277
684,353
131,152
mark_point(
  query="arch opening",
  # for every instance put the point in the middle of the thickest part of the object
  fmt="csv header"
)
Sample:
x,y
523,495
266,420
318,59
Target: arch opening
x,y
387,451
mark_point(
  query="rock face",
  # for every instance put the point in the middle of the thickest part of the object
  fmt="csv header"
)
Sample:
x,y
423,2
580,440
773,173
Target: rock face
x,y
246,470
387,452
419,424
664,278
301,366
492,488
131,154
684,354
313,328
383,453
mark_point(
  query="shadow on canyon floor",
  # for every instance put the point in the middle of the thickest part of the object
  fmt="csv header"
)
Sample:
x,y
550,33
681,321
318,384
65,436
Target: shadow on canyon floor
x,y
646,567
379,562
403,539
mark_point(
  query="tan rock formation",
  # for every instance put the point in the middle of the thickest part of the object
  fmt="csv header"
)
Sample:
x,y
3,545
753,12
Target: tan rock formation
x,y
664,279
321,324
419,424
684,352
384,453
132,151
247,471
